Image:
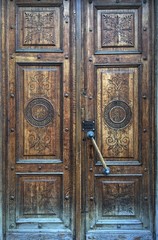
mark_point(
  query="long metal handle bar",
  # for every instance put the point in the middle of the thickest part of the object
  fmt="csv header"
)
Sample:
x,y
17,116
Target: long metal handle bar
x,y
90,135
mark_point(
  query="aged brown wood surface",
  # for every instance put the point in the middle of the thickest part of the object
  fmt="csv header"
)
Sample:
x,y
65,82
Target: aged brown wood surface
x,y
118,80
39,175
66,61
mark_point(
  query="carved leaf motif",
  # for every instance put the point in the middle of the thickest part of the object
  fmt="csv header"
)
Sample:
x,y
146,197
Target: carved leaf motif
x,y
118,86
40,140
39,84
118,199
117,29
117,141
39,27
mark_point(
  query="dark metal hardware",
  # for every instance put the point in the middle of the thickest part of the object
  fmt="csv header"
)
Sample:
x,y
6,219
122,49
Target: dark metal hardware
x,y
88,126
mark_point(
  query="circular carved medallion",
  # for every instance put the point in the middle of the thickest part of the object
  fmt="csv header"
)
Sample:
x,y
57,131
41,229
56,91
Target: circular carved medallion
x,y
117,114
39,112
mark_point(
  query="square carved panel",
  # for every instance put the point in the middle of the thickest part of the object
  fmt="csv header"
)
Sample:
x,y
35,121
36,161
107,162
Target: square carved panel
x,y
39,28
117,30
118,199
39,196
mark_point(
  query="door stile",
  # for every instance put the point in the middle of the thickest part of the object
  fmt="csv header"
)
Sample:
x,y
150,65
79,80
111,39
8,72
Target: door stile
x,y
1,121
78,120
73,92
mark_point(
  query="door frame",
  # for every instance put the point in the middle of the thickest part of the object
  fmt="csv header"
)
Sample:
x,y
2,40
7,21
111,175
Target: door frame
x,y
156,116
1,119
77,148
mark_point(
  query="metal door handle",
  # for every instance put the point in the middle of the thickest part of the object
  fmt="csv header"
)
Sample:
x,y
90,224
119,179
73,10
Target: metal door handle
x,y
90,135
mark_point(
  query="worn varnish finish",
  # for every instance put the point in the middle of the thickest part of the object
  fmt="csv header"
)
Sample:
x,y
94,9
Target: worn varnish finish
x,y
39,174
117,78
65,62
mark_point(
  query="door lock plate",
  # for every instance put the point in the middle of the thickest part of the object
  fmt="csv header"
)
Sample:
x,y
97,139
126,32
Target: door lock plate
x,y
88,125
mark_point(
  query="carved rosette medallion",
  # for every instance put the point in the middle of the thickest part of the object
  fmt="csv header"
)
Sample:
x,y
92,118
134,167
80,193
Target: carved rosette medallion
x,y
117,114
39,112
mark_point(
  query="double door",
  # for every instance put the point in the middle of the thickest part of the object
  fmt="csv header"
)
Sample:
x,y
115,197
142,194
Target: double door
x,y
71,67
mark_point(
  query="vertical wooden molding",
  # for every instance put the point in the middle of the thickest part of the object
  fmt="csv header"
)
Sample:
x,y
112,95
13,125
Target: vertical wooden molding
x,y
78,119
1,110
156,111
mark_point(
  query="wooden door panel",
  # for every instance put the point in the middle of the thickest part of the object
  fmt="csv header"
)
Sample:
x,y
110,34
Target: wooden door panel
x,y
117,53
41,102
39,27
39,175
118,106
39,196
117,30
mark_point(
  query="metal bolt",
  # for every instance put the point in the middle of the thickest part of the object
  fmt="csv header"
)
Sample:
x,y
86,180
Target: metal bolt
x,y
39,225
66,129
12,95
144,97
145,198
12,168
39,56
12,197
90,59
91,198
144,130
40,167
12,225
145,28
12,130
145,58
67,197
90,97
66,95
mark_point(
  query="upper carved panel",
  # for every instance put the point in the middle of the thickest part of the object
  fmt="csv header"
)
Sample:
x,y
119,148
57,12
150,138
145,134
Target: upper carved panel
x,y
117,30
39,28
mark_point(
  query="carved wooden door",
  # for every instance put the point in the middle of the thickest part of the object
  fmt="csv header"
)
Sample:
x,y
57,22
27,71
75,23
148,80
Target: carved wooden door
x,y
39,173
117,96
65,62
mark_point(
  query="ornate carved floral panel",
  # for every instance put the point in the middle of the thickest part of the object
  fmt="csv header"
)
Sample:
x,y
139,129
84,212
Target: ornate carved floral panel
x,y
117,30
117,112
39,196
39,119
39,28
119,199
